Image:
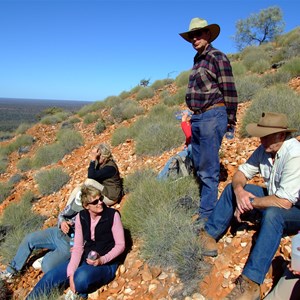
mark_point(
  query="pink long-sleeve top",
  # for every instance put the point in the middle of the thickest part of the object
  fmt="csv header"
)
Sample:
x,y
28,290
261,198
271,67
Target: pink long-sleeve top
x,y
118,234
187,130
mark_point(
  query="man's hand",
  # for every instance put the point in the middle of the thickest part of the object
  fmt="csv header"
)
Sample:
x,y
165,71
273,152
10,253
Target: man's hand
x,y
65,226
243,200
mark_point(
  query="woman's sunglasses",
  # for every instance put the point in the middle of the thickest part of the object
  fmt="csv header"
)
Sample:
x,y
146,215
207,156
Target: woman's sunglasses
x,y
95,202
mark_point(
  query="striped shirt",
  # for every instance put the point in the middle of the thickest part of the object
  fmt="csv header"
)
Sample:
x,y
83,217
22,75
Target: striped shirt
x,y
211,81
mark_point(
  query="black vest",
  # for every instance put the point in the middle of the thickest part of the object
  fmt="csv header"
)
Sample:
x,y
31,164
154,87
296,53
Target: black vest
x,y
104,240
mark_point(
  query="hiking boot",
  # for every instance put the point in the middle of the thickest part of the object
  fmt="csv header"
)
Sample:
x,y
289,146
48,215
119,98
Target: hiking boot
x,y
245,289
209,244
6,276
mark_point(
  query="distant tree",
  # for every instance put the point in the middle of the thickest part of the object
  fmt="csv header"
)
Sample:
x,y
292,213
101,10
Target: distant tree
x,y
50,111
144,82
259,28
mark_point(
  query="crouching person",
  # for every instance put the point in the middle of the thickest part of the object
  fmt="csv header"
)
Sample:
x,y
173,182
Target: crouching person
x,y
98,228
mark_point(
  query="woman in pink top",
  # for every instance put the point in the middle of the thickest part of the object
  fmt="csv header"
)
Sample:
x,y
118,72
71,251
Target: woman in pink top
x,y
98,231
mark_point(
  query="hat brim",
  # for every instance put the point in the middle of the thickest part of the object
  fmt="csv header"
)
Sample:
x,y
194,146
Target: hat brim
x,y
213,28
260,131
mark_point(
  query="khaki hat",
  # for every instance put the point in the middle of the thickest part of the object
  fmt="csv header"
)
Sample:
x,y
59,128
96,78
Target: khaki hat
x,y
198,24
269,123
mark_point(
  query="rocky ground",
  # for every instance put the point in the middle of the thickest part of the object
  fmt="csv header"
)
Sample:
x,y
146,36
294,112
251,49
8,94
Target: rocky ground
x,y
136,279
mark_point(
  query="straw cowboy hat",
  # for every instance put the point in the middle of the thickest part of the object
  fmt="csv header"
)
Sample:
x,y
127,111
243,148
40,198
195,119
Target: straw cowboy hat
x,y
269,123
199,24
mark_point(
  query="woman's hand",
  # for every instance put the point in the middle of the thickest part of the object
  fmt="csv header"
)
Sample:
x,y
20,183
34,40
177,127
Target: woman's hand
x,y
65,226
72,284
97,262
94,154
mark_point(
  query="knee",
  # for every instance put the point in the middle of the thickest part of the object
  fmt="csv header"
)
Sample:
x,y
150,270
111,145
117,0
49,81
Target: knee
x,y
273,216
81,282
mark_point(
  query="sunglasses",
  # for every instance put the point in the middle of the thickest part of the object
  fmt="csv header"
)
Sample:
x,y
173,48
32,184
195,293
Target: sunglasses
x,y
196,34
95,202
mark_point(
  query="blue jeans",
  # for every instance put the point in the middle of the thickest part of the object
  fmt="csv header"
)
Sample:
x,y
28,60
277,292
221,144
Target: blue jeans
x,y
184,153
274,223
87,279
208,130
51,238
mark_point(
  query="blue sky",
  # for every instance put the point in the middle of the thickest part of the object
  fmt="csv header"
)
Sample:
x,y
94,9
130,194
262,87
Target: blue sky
x,y
92,49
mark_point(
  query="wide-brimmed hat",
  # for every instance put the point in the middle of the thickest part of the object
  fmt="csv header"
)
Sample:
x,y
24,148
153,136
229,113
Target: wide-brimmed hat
x,y
198,24
269,123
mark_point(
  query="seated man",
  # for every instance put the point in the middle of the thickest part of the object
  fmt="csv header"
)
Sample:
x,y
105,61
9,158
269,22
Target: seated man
x,y
277,159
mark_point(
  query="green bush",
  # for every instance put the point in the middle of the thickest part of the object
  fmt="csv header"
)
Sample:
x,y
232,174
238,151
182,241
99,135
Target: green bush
x,y
90,108
135,89
158,84
125,94
157,132
55,119
100,127
167,233
292,66
176,99
274,78
111,101
120,135
277,98
21,221
5,189
126,110
238,69
3,163
24,164
20,141
247,86
182,79
22,128
145,93
260,66
251,55
50,181
47,155
90,118
69,139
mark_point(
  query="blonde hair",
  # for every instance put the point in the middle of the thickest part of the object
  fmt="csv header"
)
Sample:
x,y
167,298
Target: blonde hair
x,y
88,192
105,151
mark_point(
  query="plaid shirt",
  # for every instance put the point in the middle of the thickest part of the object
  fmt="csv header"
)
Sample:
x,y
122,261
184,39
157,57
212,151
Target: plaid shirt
x,y
211,81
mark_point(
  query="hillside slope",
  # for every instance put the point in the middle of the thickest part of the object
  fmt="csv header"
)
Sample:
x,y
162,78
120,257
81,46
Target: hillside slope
x,y
135,279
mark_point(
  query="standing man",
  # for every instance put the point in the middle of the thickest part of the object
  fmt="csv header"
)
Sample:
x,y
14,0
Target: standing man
x,y
277,160
212,96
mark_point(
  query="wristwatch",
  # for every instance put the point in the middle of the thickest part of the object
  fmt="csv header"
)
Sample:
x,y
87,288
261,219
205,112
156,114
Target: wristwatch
x,y
251,199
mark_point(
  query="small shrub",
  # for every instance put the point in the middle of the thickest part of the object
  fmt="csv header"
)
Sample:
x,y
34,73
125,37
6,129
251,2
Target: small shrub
x,y
50,181
292,66
111,101
176,99
24,164
158,84
145,93
3,163
247,86
47,155
238,68
15,179
135,89
125,94
251,55
182,79
100,127
90,108
277,98
20,218
69,140
5,189
120,135
275,78
55,119
126,110
260,66
74,120
22,128
90,118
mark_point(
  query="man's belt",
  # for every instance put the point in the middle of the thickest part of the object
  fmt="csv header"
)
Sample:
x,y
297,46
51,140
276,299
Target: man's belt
x,y
201,111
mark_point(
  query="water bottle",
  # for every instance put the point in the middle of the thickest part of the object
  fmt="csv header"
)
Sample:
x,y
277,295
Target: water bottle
x,y
178,114
93,255
296,252
230,133
72,240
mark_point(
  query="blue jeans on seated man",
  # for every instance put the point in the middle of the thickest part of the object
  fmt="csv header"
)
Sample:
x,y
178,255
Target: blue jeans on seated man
x,y
274,223
184,153
51,238
87,279
208,130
